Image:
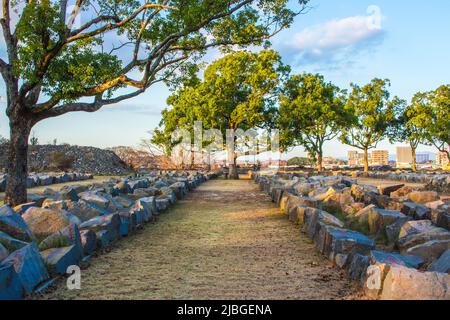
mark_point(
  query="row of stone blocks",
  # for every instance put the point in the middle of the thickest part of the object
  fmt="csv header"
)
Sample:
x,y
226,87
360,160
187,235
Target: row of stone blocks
x,y
419,271
39,240
46,179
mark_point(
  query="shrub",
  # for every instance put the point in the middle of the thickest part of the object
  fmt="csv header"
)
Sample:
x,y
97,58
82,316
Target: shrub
x,y
61,161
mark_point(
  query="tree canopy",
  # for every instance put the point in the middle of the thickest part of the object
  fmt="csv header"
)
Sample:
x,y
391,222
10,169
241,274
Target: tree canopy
x,y
435,118
373,114
311,113
238,92
81,55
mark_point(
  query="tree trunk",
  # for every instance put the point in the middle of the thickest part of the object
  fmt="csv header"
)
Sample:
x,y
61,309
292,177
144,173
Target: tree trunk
x,y
17,167
319,162
414,163
231,159
192,164
366,161
233,169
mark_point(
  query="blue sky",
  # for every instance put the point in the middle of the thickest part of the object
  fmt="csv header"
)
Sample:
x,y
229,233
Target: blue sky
x,y
340,39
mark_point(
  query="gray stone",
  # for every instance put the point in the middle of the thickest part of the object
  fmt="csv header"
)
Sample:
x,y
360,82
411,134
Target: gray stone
x,y
45,222
357,266
88,241
390,258
415,210
14,224
431,250
379,219
109,223
313,217
442,264
3,252
336,242
417,232
59,259
95,198
387,190
408,284
29,266
423,196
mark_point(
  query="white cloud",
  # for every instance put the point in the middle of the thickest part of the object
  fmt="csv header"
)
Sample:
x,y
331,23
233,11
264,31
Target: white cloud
x,y
337,40
334,34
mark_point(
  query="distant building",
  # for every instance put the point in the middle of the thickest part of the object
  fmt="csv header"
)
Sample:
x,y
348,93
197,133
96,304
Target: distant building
x,y
379,158
442,159
404,157
355,158
422,157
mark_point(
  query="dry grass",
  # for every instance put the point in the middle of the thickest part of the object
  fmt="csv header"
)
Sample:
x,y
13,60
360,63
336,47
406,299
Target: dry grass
x,y
225,240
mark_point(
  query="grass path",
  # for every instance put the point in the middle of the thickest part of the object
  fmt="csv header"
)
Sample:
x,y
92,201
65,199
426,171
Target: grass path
x,y
225,240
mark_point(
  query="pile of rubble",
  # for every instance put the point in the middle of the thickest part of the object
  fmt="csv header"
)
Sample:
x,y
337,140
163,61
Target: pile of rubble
x,y
82,159
437,181
39,240
394,240
46,179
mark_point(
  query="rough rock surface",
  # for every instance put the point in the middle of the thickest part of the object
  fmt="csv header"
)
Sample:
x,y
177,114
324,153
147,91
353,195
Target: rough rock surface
x,y
85,159
409,284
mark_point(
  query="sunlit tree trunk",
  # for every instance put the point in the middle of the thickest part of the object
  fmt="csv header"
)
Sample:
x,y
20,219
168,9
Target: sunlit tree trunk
x,y
413,154
366,161
319,162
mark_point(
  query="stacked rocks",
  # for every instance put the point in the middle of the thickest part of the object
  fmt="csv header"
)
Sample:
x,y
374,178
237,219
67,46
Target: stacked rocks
x,y
46,179
395,241
39,240
437,181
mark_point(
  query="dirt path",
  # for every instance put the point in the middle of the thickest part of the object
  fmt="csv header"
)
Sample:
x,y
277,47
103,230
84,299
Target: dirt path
x,y
225,240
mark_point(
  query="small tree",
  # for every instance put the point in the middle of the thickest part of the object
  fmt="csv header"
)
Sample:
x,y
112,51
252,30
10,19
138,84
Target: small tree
x,y
34,140
436,119
3,140
409,125
373,113
61,161
311,113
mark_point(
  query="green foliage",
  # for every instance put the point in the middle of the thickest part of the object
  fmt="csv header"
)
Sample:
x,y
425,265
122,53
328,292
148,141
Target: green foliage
x,y
373,114
34,141
311,113
238,91
436,118
408,126
299,161
78,62
38,32
426,120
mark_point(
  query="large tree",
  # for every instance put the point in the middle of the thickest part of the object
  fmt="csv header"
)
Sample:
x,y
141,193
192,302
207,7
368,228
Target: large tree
x,y
53,65
238,92
373,113
311,113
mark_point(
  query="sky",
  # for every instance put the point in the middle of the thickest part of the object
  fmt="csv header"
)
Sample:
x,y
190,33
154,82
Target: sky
x,y
347,41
